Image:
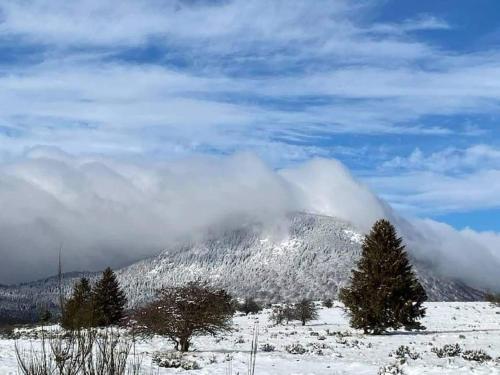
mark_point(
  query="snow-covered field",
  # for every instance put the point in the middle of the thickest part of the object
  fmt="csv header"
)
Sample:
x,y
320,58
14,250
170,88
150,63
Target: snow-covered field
x,y
331,346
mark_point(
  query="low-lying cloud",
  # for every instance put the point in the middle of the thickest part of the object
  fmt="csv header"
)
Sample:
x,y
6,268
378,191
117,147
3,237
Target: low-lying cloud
x,y
111,212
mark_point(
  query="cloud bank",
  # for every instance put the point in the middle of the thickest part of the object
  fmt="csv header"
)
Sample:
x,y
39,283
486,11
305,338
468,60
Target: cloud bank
x,y
111,211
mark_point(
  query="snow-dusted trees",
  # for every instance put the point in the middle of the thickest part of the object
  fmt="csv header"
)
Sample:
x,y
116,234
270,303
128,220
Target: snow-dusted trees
x,y
180,313
384,292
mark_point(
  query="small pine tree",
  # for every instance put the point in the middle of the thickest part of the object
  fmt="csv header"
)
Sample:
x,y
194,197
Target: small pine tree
x,y
384,292
109,299
305,310
78,309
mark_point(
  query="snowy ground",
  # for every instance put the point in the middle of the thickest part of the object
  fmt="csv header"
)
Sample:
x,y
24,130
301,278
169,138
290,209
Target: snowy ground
x,y
471,325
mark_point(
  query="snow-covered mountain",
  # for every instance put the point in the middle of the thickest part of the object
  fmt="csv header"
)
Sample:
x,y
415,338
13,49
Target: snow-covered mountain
x,y
303,255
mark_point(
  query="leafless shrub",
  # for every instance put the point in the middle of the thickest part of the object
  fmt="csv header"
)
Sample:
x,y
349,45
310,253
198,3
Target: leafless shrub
x,y
84,352
180,313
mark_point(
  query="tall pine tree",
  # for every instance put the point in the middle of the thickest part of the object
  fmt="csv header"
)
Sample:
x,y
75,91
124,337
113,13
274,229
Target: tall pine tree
x,y
78,310
109,299
384,292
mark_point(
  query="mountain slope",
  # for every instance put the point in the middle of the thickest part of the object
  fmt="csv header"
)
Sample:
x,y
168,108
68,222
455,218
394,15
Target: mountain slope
x,y
311,256
304,256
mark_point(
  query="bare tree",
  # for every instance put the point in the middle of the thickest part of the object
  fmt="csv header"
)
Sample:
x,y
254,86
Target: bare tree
x,y
180,313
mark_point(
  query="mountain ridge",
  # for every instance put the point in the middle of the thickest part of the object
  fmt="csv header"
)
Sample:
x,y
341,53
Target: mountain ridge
x,y
304,255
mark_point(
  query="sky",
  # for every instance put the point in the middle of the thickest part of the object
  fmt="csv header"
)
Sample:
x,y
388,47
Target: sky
x,y
405,94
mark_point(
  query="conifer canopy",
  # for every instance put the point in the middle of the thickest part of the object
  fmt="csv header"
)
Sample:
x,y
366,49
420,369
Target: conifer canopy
x,y
109,299
384,291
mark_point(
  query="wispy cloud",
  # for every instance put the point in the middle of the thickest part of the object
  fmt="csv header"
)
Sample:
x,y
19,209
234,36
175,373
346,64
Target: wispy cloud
x,y
448,180
224,69
289,80
451,159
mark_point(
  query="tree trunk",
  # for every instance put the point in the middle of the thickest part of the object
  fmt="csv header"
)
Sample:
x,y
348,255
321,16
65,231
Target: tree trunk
x,y
184,345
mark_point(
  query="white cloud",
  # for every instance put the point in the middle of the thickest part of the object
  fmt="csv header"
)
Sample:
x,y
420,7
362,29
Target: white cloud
x,y
112,211
231,75
451,159
469,256
424,193
448,180
371,82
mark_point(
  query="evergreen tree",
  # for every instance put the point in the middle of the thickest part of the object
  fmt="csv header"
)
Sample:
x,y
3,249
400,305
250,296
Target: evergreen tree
x,y
384,292
79,310
109,299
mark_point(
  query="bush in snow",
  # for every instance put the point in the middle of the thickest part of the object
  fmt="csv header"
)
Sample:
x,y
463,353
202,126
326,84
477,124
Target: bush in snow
x,y
240,340
403,353
267,348
295,349
448,350
317,348
391,369
476,355
175,360
338,333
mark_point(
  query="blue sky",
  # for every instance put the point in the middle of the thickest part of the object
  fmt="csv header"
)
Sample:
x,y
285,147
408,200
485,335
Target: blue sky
x,y
405,93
